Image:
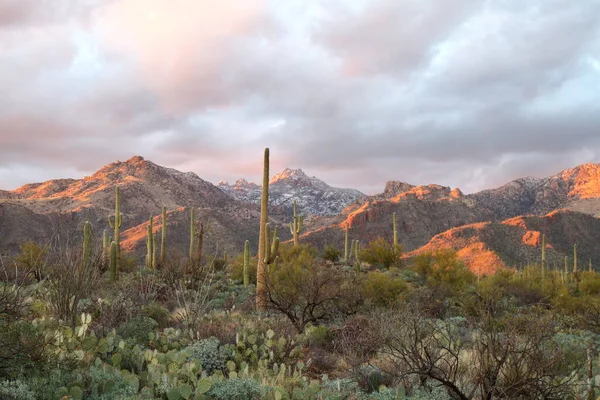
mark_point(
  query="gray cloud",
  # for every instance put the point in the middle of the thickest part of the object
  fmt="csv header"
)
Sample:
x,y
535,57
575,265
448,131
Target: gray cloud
x,y
462,92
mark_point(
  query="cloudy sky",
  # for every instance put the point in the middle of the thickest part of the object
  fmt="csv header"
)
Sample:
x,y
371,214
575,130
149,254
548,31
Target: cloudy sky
x,y
464,93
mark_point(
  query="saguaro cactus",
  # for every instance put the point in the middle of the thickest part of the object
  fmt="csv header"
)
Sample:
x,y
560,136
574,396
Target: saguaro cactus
x,y
296,225
271,247
346,255
395,231
356,255
113,261
261,269
150,245
247,263
116,222
87,244
105,246
543,255
163,237
192,234
575,258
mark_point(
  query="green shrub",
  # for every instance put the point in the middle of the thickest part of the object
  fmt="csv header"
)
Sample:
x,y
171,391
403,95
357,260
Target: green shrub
x,y
211,354
16,390
382,289
235,389
318,336
332,253
157,312
137,328
381,252
443,268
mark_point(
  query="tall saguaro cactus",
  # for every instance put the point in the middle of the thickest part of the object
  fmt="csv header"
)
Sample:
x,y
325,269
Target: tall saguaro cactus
x,y
113,261
150,245
575,258
105,246
543,255
395,232
296,225
247,263
261,269
192,234
356,255
271,247
163,237
87,244
116,222
346,255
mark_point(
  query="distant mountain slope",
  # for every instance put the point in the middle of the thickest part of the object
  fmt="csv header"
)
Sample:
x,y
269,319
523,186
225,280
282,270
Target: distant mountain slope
x,y
487,246
145,188
312,195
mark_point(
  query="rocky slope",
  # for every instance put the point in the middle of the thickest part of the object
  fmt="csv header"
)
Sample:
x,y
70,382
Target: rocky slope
x,y
312,195
145,188
516,242
426,211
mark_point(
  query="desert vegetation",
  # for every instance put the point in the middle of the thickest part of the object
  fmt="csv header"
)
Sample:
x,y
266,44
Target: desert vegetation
x,y
80,318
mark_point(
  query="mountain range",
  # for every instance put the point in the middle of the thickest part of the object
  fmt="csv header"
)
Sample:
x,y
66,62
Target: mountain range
x,y
489,229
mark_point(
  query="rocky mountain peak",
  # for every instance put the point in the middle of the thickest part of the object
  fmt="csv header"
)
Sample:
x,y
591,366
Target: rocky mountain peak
x,y
287,175
394,188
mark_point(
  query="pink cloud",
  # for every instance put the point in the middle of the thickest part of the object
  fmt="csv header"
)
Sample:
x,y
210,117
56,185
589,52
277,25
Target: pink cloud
x,y
180,48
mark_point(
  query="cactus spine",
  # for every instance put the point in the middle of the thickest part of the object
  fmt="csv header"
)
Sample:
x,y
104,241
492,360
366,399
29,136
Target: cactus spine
x,y
163,237
87,244
247,263
150,245
114,249
261,269
116,222
296,225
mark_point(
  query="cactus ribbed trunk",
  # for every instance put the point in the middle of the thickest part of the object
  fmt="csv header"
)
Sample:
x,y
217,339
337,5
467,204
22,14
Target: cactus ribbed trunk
x,y
261,270
163,237
116,222
247,263
346,245
192,234
113,261
296,226
575,258
150,245
395,232
87,245
543,256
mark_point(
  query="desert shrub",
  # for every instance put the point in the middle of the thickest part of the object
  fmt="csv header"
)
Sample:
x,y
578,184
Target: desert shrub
x,y
211,354
305,291
443,268
106,383
157,312
332,253
590,283
109,314
358,339
69,281
16,390
236,389
33,259
382,289
137,328
318,336
381,252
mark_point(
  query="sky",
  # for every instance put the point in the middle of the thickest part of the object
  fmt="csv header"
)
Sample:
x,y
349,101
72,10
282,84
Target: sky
x,y
463,93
